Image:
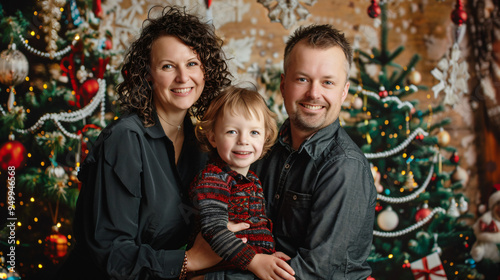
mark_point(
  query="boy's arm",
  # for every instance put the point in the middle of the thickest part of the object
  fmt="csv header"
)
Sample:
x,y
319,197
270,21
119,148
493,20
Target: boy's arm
x,y
211,193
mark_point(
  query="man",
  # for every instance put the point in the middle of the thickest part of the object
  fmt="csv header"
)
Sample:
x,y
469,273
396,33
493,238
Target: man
x,y
318,184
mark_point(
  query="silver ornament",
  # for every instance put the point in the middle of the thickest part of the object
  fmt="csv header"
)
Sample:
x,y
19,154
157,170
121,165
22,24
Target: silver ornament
x,y
13,66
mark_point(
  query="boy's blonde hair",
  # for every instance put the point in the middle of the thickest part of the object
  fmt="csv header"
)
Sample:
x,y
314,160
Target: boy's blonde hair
x,y
235,100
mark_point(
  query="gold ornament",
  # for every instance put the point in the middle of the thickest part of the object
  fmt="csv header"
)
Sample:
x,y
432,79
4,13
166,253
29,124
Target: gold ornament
x,y
415,77
410,182
51,14
443,138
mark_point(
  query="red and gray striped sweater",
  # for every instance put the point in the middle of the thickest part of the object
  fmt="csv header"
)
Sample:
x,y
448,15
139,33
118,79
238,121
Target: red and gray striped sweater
x,y
221,194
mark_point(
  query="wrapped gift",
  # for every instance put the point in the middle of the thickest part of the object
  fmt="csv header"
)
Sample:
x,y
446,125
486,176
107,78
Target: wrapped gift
x,y
428,268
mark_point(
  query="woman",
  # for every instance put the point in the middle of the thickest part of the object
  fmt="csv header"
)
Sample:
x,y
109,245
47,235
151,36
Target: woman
x,y
133,215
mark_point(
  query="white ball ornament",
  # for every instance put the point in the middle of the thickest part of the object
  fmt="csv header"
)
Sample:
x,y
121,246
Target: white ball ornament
x,y
55,171
357,103
388,219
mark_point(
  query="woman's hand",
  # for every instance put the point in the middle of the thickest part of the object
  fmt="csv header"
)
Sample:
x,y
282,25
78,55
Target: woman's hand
x,y
274,267
201,256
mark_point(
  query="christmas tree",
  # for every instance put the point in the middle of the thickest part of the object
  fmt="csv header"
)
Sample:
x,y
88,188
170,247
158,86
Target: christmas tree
x,y
422,216
57,79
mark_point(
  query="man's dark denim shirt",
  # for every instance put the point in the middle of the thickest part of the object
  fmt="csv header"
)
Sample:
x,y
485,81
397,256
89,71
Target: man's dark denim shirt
x,y
321,199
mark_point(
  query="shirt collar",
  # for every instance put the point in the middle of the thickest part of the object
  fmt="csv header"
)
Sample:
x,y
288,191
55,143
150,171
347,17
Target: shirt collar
x,y
156,131
316,143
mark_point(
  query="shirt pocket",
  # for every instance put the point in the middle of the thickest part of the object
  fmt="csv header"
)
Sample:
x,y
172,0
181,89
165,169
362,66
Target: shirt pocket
x,y
296,214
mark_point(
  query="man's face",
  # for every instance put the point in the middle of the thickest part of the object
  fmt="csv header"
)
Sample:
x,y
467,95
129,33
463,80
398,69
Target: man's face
x,y
314,86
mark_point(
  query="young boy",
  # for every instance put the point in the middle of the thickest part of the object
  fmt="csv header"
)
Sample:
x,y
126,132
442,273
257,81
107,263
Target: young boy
x,y
237,129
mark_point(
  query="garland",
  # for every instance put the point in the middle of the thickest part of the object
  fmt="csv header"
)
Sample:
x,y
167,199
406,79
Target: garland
x,y
74,116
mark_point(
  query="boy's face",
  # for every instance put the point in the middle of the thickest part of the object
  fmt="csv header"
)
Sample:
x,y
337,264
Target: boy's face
x,y
239,141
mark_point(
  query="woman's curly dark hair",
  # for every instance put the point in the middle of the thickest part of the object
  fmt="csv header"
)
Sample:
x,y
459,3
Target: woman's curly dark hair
x,y
136,93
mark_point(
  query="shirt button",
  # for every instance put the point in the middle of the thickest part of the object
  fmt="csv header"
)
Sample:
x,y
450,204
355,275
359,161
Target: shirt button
x,y
294,197
287,166
277,196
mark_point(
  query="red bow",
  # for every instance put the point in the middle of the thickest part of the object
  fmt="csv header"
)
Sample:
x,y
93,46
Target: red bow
x,y
492,227
426,272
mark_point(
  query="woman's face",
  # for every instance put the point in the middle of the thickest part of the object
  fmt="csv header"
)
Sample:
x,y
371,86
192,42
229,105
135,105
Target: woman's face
x,y
176,74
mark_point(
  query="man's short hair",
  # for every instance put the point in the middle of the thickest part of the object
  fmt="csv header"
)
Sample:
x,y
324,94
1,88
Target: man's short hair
x,y
318,36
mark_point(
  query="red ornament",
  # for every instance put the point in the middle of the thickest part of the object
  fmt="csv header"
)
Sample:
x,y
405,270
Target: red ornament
x,y
97,9
459,16
422,214
12,153
454,158
56,245
419,137
108,44
383,93
89,90
433,178
370,278
374,10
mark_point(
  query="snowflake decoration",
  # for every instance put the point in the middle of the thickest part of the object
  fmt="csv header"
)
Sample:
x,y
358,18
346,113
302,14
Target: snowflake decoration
x,y
287,11
452,75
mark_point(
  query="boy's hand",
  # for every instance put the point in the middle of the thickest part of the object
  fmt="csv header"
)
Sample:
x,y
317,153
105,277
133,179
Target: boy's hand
x,y
268,267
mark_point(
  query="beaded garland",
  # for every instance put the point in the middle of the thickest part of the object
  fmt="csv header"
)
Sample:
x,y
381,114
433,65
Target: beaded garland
x,y
57,54
74,116
399,148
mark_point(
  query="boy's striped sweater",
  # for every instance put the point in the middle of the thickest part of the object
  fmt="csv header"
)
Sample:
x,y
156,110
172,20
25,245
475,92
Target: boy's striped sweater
x,y
221,194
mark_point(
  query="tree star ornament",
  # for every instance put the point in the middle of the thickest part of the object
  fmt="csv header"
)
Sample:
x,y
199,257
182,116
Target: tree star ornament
x,y
452,75
288,12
